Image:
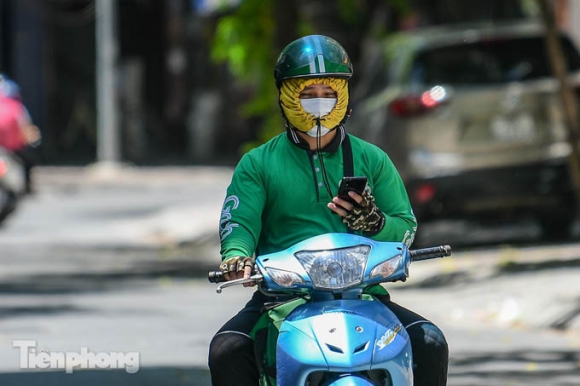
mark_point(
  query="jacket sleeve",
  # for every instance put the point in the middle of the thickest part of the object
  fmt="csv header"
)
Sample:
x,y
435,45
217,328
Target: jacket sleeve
x,y
392,199
240,221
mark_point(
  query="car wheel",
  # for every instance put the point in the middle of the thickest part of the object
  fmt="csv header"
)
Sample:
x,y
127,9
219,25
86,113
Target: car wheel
x,y
556,228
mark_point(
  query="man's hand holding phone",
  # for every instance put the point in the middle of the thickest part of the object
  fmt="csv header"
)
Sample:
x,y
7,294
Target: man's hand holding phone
x,y
350,192
357,208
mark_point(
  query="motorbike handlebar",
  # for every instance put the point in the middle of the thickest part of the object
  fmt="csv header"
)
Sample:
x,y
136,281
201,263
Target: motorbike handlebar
x,y
430,253
416,255
216,277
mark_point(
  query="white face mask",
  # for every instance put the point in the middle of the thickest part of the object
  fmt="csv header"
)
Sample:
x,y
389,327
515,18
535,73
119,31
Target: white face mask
x,y
319,107
314,131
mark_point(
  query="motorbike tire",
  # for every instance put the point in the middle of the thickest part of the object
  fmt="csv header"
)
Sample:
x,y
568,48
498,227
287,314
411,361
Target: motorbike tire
x,y
7,204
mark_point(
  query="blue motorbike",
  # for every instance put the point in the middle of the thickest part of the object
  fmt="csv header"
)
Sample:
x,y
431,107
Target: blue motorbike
x,y
335,333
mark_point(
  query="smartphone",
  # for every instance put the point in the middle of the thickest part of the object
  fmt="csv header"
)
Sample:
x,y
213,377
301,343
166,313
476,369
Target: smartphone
x,y
355,184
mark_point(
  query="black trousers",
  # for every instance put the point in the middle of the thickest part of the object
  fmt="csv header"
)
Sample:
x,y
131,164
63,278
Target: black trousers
x,y
232,360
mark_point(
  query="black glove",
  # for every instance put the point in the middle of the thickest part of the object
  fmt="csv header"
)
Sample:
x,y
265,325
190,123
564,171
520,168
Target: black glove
x,y
236,264
366,217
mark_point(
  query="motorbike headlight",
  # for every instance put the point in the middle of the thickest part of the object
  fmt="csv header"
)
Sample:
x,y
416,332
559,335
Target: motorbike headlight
x,y
387,268
336,268
284,278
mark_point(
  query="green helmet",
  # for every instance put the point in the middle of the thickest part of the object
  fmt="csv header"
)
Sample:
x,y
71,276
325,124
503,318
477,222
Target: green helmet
x,y
312,56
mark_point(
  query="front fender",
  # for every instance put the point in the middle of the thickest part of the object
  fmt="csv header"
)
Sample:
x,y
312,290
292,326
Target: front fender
x,y
342,336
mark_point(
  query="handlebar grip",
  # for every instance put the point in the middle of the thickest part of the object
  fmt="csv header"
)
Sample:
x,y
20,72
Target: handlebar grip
x,y
216,277
430,253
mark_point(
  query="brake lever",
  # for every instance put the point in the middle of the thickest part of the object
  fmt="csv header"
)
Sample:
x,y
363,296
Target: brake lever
x,y
252,279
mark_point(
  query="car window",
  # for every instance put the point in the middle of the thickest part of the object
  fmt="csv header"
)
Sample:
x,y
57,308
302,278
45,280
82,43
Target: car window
x,y
491,61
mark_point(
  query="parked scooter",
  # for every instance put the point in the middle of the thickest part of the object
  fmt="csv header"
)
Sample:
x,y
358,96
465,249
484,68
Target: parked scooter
x,y
336,334
12,182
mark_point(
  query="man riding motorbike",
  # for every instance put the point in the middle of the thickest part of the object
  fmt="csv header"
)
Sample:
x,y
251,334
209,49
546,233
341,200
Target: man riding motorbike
x,y
285,191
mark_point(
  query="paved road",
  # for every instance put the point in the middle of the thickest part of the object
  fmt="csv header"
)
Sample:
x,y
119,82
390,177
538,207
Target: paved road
x,y
169,321
109,261
90,261
121,207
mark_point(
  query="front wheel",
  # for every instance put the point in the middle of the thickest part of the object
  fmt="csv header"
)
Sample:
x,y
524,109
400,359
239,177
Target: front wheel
x,y
7,204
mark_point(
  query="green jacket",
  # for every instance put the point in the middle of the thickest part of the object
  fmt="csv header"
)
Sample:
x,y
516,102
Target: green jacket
x,y
277,196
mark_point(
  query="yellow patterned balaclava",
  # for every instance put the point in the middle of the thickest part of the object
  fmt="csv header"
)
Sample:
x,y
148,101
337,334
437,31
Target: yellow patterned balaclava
x,y
301,120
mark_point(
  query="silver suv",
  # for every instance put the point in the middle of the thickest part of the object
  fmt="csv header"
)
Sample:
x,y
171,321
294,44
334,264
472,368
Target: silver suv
x,y
473,120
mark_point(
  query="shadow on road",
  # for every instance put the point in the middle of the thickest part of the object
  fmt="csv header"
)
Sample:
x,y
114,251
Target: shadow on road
x,y
517,267
516,368
460,277
158,376
63,283
65,271
15,311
